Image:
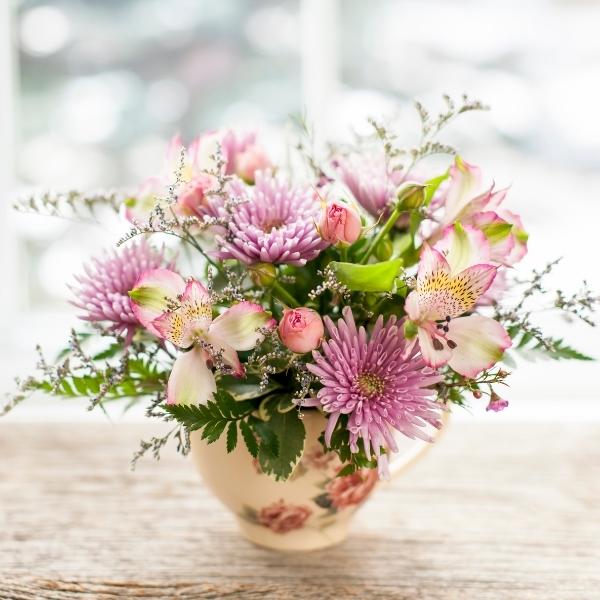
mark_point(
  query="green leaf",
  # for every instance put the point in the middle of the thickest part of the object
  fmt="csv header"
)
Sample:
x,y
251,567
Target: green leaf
x,y
289,431
508,360
531,349
249,439
193,417
269,441
231,436
562,351
378,277
286,404
323,500
347,470
111,351
247,388
432,186
212,432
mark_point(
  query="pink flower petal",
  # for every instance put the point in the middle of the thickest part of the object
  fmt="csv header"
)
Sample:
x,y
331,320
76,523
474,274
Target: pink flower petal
x,y
465,184
175,328
228,354
434,349
431,261
191,381
480,343
498,233
463,246
442,295
151,294
238,326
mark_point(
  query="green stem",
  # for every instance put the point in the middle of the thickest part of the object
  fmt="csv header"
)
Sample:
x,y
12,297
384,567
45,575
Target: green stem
x,y
382,233
284,295
343,253
190,239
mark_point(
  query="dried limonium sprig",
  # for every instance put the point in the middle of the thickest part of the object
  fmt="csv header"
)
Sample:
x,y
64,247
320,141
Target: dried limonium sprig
x,y
70,204
581,305
430,128
330,283
269,357
155,444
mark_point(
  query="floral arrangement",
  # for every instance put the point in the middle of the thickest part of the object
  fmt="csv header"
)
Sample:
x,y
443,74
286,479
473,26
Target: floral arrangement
x,y
369,284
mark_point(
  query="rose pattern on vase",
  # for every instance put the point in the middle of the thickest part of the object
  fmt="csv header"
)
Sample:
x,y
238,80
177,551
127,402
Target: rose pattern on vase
x,y
349,490
336,493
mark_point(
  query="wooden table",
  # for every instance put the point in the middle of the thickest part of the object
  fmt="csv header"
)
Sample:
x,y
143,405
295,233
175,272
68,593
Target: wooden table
x,y
494,511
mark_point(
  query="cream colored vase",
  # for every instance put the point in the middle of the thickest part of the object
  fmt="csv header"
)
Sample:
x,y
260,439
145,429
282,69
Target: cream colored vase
x,y
311,510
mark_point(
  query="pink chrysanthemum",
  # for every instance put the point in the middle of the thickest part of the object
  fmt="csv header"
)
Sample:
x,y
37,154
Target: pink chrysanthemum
x,y
377,382
102,290
274,223
371,182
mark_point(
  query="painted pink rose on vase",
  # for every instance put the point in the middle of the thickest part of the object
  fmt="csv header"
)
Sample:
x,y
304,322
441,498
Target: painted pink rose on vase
x,y
317,458
351,489
281,517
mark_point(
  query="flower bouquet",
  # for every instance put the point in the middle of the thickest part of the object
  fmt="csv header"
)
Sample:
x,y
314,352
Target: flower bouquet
x,y
299,322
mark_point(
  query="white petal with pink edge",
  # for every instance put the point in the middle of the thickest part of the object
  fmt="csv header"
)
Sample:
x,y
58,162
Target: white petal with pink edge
x,y
239,325
191,381
463,247
173,327
480,343
228,355
498,233
465,184
441,295
151,295
411,306
434,349
431,261
190,319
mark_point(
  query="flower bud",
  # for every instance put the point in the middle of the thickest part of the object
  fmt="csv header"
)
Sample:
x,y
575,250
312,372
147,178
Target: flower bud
x,y
477,394
263,274
339,224
496,403
192,197
411,195
251,160
301,329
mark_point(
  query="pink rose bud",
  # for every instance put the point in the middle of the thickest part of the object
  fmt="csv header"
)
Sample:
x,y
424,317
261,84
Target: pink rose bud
x,y
251,160
339,223
301,329
192,197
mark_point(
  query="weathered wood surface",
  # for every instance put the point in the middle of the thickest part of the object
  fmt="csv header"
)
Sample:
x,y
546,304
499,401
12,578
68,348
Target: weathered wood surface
x,y
493,512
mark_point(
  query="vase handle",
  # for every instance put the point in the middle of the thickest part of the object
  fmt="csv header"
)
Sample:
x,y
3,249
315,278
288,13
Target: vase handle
x,y
401,461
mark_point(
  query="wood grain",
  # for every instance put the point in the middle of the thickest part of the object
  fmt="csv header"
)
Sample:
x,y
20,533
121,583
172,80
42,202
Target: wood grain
x,y
493,512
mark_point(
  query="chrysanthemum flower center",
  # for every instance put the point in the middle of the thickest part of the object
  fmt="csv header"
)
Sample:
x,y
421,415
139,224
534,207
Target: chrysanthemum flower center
x,y
370,384
268,226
